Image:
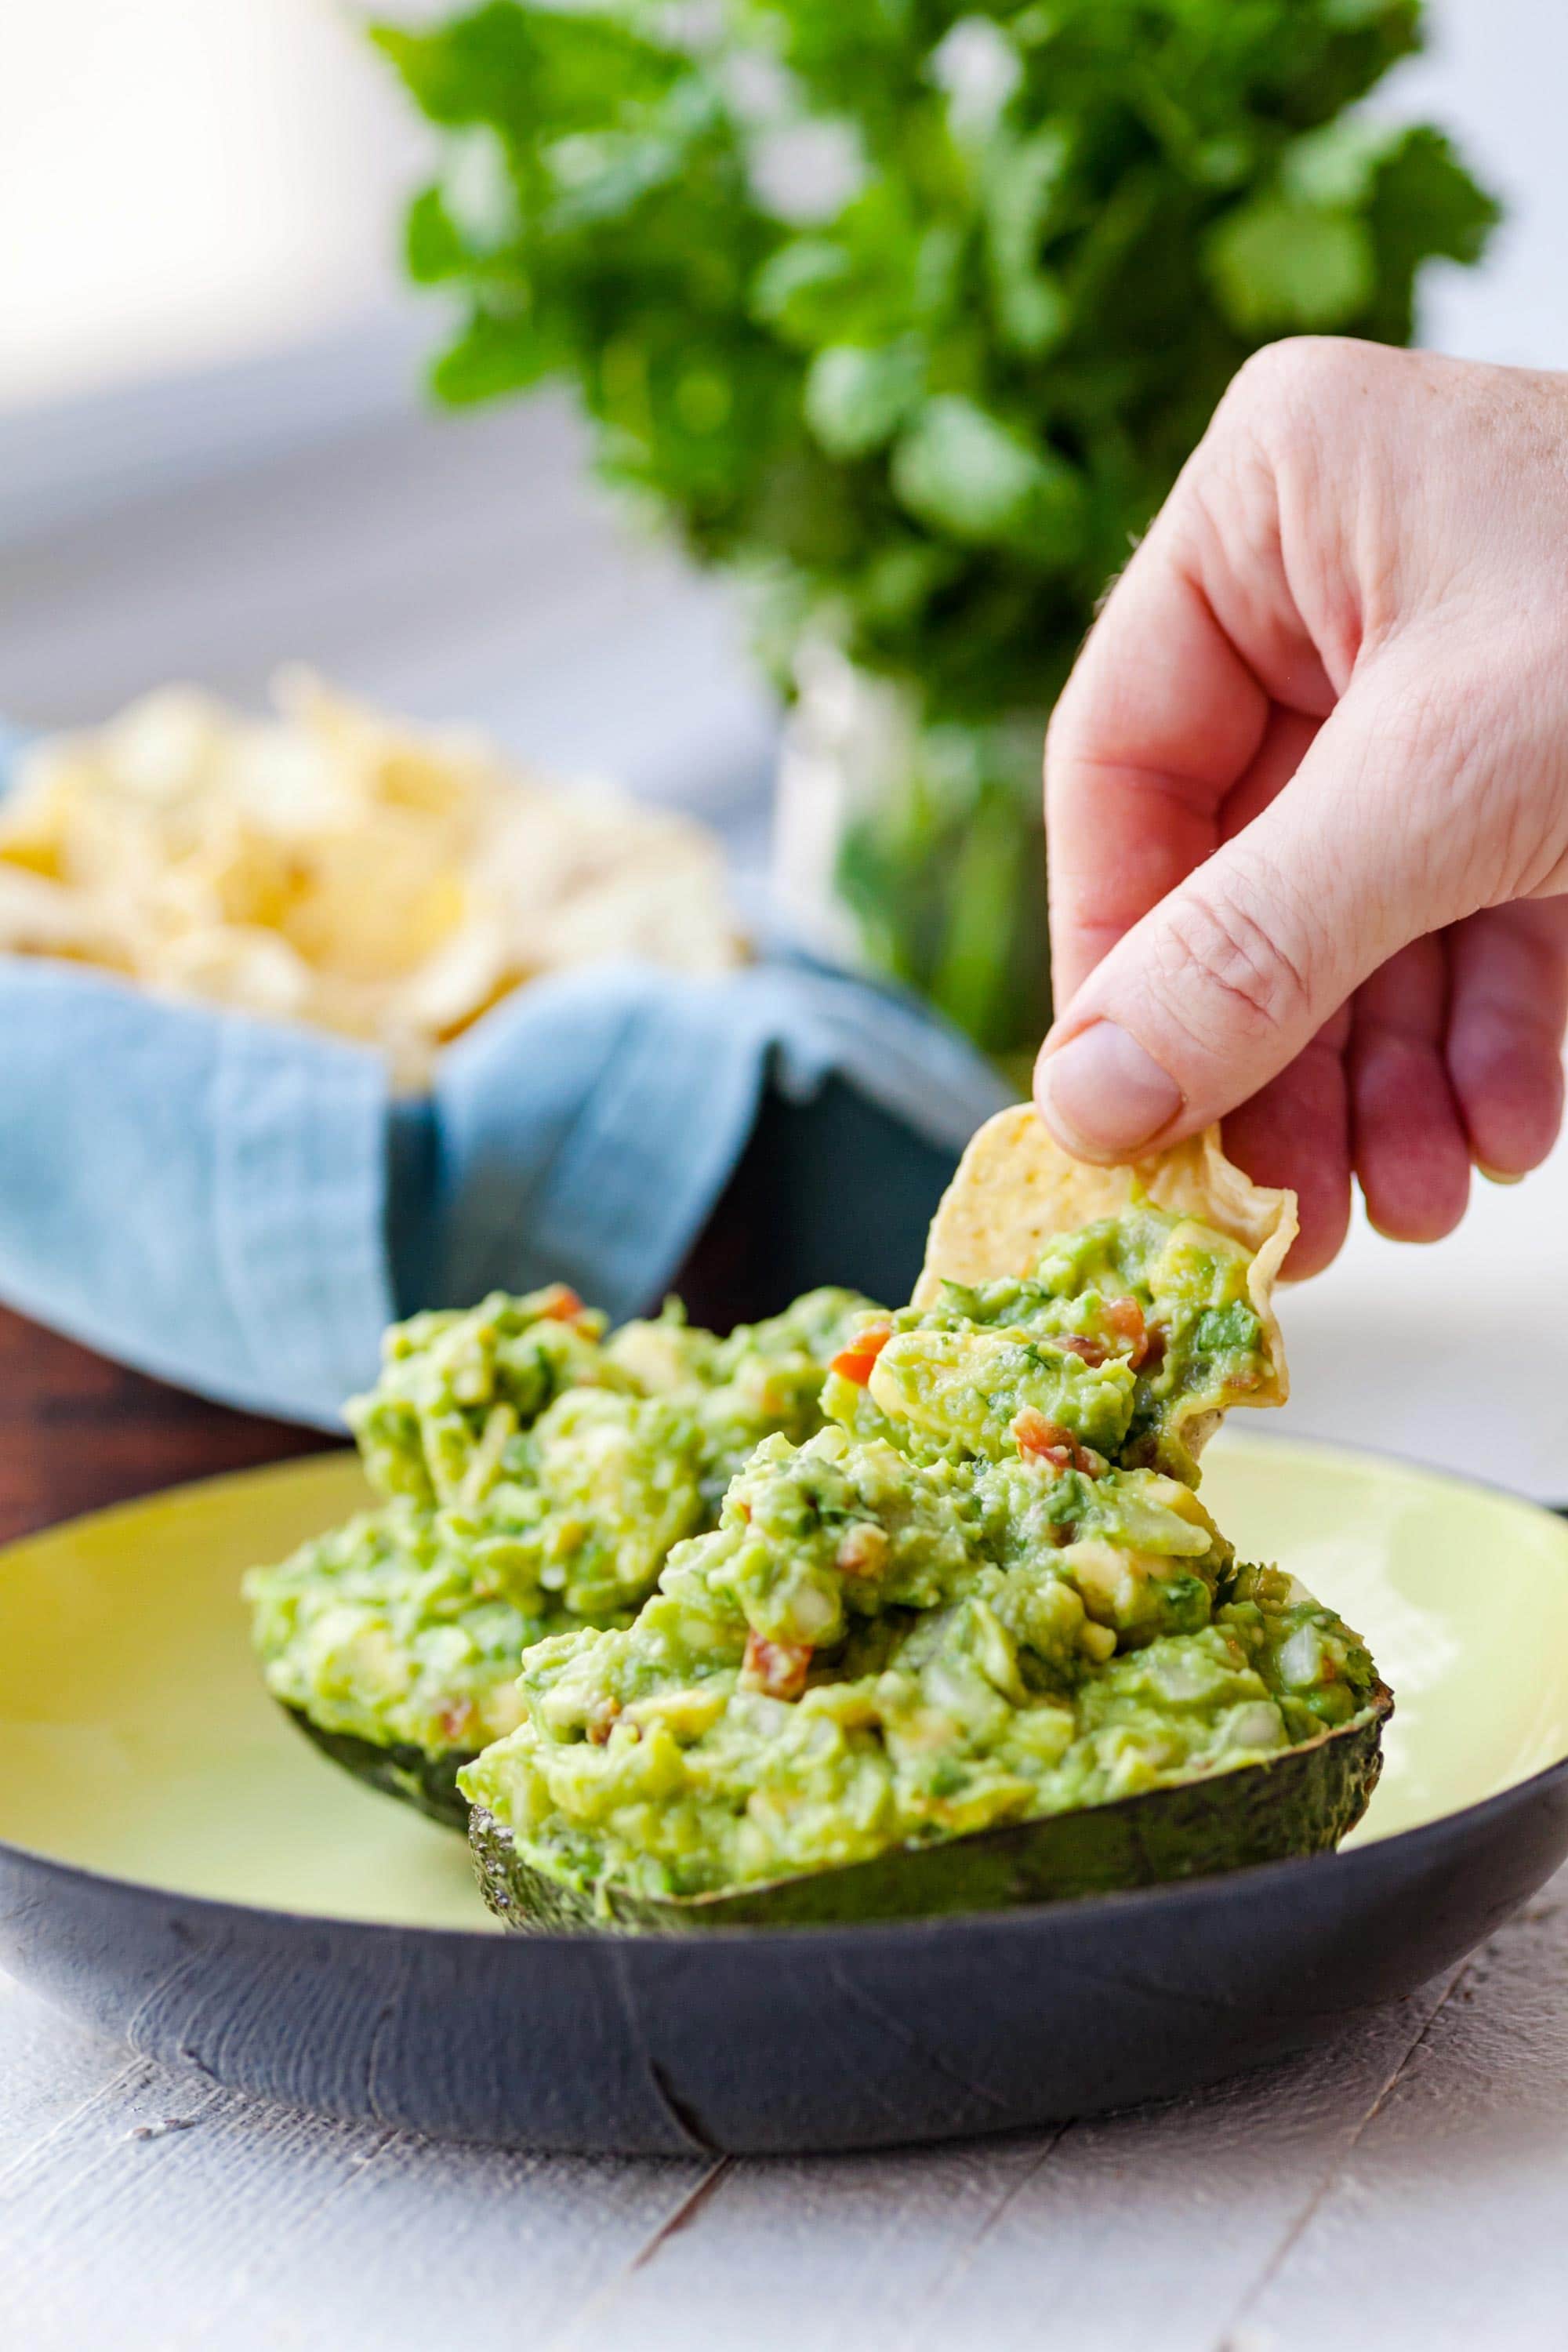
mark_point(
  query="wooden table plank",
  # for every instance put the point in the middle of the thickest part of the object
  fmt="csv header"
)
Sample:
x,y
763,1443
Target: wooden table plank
x,y
817,2252
1139,2231
422,2246
1449,2211
50,2068
140,2209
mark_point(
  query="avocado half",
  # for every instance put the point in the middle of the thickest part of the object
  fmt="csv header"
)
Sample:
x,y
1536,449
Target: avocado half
x,y
399,1769
1303,1800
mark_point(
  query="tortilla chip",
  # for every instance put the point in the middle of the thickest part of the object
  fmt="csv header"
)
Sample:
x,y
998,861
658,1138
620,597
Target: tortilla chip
x,y
1017,1189
341,867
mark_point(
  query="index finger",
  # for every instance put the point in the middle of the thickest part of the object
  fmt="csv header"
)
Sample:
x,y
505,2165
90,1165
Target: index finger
x,y
1158,722
1169,707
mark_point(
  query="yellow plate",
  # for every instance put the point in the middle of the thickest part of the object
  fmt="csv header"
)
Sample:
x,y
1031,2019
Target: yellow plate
x,y
135,1736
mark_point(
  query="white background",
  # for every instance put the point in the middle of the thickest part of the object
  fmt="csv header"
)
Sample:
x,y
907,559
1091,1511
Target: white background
x,y
186,181
183,181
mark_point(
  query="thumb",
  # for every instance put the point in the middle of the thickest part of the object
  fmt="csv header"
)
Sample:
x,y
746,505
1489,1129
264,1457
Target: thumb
x,y
1231,974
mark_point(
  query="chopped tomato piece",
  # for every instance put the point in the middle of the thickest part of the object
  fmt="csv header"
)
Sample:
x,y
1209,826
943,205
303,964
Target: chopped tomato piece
x,y
561,1303
777,1669
854,1361
1074,1343
602,1722
1039,1439
1125,1318
457,1722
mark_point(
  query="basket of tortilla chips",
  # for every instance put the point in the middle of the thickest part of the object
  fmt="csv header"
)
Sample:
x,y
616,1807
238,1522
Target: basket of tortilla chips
x,y
311,1021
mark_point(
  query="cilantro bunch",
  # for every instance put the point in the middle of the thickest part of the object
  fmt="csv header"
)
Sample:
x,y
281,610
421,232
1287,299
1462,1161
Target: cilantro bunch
x,y
908,311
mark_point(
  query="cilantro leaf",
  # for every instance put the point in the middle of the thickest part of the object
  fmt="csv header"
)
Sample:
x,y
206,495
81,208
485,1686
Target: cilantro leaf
x,y
931,421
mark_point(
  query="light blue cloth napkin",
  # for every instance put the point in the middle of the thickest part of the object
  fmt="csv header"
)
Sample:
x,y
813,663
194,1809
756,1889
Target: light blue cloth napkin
x,y
239,1206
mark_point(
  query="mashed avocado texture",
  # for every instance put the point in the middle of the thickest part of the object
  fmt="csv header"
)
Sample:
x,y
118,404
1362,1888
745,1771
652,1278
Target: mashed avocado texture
x,y
534,1473
985,1591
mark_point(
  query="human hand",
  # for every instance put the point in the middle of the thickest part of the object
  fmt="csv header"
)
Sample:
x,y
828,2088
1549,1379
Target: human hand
x,y
1307,796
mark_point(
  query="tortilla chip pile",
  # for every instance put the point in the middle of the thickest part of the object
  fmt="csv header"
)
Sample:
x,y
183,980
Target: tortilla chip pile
x,y
338,867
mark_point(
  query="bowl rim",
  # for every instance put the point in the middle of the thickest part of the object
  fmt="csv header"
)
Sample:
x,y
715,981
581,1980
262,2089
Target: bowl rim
x,y
1020,1921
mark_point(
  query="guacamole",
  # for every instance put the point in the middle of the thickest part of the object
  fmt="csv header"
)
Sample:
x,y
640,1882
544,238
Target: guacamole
x,y
986,1591
535,1472
1127,1332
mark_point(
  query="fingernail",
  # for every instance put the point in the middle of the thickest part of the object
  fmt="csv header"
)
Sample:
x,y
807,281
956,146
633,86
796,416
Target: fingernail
x,y
1498,1175
1101,1093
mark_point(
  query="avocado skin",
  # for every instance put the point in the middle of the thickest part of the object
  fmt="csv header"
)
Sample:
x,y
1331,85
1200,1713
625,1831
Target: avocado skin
x,y
1301,1801
429,1783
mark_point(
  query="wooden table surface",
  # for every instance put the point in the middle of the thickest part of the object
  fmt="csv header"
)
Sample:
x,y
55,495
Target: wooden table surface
x,y
78,1433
